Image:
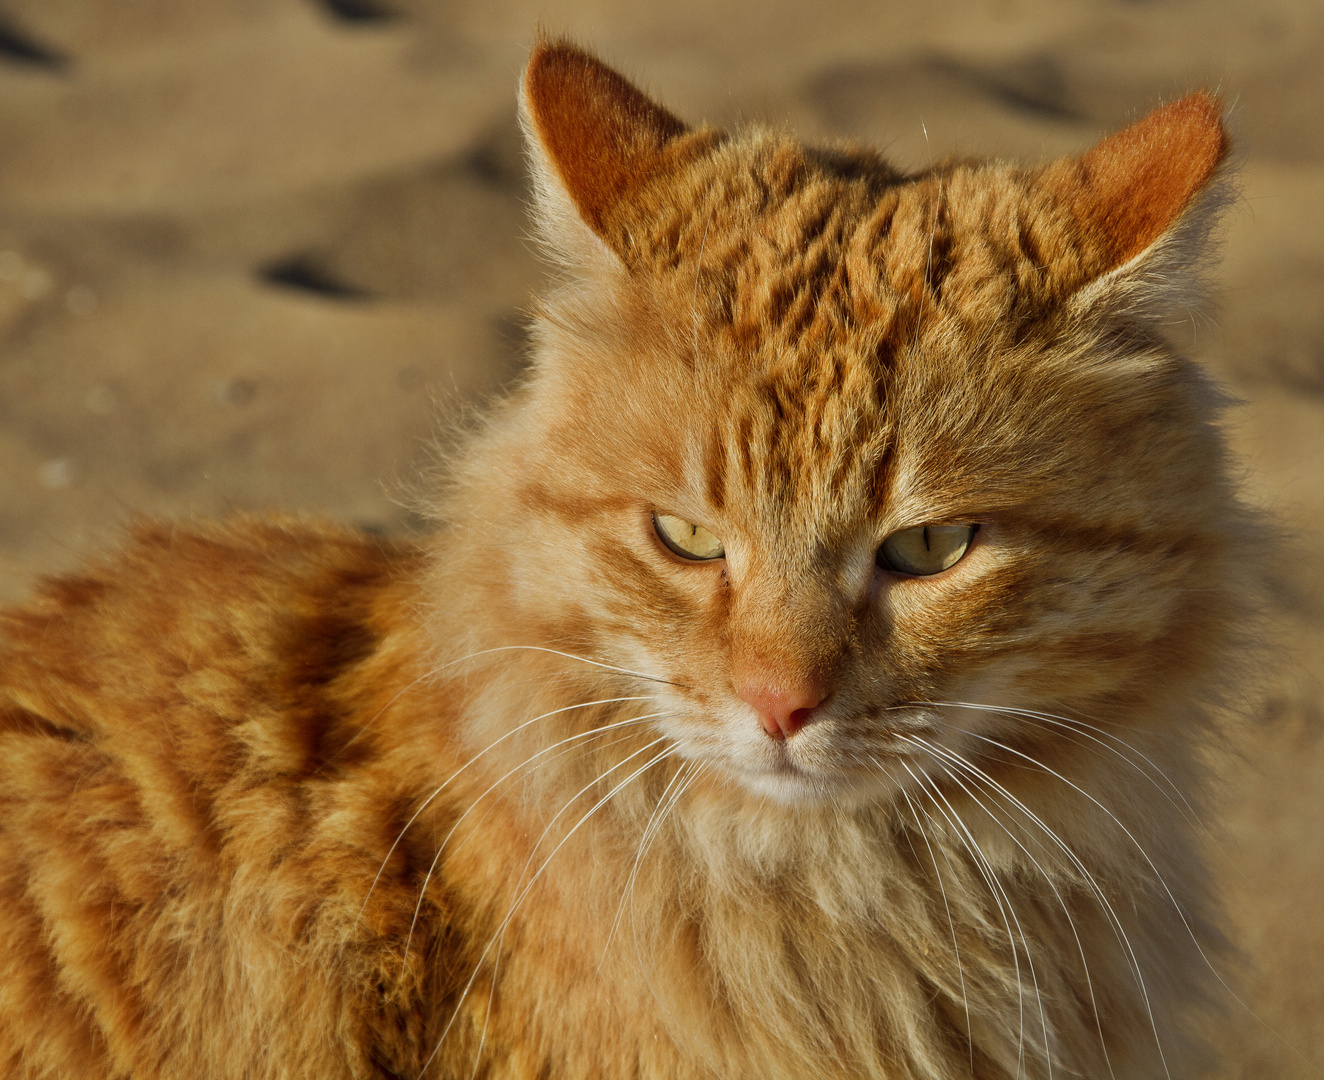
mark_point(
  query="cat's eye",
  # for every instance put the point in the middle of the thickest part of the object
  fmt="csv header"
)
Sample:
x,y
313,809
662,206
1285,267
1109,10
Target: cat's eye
x,y
925,549
687,540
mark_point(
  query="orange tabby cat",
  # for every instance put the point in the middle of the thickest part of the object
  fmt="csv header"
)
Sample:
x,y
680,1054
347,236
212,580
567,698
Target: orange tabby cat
x,y
808,677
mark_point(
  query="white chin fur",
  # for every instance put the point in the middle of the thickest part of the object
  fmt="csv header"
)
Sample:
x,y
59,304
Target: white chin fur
x,y
792,787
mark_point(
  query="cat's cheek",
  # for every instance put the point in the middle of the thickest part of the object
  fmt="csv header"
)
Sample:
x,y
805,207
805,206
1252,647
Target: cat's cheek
x,y
989,702
712,737
724,729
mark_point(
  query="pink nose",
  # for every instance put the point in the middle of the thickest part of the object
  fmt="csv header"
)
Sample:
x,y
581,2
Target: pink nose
x,y
783,710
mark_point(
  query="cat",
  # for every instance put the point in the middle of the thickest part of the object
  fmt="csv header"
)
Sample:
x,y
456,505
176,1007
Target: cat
x,y
811,673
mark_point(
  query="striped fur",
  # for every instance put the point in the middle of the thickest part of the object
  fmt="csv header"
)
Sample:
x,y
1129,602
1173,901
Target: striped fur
x,y
278,801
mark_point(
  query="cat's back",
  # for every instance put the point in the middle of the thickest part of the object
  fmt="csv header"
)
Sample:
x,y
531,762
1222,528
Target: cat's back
x,y
177,724
197,628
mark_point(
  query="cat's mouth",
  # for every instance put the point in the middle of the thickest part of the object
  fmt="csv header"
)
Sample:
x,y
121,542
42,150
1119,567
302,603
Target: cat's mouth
x,y
826,762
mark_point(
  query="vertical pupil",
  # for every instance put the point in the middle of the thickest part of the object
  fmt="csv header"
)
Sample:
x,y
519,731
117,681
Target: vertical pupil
x,y
926,539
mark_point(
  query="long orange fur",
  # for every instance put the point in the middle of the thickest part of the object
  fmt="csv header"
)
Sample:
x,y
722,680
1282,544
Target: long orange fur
x,y
282,801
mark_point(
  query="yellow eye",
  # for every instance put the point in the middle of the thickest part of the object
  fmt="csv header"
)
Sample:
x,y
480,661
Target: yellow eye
x,y
925,549
686,540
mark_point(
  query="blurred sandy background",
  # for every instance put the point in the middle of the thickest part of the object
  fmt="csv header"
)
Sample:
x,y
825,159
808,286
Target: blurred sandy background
x,y
251,250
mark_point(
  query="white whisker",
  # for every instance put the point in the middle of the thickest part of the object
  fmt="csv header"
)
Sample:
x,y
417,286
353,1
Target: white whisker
x,y
1073,725
564,745
951,924
699,766
1114,919
1029,957
1157,875
556,652
968,767
645,839
990,879
522,893
496,742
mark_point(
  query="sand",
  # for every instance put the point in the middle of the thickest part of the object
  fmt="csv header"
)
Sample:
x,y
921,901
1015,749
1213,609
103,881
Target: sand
x,y
253,253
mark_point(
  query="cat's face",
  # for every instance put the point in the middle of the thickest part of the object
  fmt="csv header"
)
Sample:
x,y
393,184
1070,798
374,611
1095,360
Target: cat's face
x,y
744,526
817,449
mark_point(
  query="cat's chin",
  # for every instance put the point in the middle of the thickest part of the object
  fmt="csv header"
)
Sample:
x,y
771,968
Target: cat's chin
x,y
790,785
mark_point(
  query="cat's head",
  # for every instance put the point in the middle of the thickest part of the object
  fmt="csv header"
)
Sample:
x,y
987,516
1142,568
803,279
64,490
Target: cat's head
x,y
818,444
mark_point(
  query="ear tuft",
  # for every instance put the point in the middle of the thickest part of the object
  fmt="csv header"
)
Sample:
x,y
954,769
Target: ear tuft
x,y
600,135
1134,185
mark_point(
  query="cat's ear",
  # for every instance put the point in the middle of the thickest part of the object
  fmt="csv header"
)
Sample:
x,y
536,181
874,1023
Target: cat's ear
x,y
595,140
1145,200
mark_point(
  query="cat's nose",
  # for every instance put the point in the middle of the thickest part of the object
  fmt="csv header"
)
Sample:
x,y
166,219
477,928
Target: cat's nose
x,y
783,708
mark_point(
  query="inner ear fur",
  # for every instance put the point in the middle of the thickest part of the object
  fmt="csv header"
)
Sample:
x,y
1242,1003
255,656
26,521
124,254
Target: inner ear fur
x,y
1130,189
600,137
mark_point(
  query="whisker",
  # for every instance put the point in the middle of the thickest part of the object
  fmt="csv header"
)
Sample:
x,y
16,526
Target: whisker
x,y
598,747
563,744
558,652
391,850
1074,725
501,931
990,879
1115,921
644,841
699,767
522,893
1159,878
968,767
951,924
378,714
1029,957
